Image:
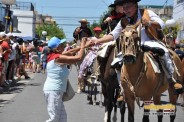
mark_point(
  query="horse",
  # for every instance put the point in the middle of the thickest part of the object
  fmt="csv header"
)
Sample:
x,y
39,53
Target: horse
x,y
182,95
138,78
91,80
110,85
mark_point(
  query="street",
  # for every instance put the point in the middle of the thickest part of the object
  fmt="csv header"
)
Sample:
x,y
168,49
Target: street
x,y
25,103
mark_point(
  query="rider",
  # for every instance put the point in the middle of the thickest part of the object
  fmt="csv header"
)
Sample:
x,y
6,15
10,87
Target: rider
x,y
110,21
82,31
89,58
133,14
112,18
78,34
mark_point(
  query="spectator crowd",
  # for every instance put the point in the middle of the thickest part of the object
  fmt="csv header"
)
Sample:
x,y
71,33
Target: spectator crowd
x,y
18,56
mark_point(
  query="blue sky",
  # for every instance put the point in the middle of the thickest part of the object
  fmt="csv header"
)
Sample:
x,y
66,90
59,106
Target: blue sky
x,y
67,13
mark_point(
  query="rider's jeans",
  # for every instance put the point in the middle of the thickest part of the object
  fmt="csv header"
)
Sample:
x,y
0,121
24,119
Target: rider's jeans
x,y
165,58
168,63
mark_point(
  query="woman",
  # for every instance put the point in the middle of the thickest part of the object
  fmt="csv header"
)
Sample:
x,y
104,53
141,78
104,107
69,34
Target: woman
x,y
57,76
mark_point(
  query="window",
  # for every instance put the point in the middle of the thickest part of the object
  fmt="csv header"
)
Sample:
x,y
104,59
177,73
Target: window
x,y
180,1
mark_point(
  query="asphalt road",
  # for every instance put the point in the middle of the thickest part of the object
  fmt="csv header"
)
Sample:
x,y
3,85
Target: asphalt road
x,y
25,103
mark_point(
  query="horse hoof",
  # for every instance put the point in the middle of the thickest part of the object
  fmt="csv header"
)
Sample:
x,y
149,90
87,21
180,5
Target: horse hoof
x,y
94,103
79,91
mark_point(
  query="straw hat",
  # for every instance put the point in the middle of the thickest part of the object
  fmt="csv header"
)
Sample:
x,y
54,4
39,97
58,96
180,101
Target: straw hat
x,y
83,21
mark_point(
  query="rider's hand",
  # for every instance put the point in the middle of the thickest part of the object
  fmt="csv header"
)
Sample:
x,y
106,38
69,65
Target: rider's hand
x,y
146,22
77,30
89,43
108,20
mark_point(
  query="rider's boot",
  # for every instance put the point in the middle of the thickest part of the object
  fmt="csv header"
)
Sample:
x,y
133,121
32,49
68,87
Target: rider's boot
x,y
170,69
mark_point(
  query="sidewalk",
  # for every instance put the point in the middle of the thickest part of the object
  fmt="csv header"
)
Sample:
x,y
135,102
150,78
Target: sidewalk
x,y
14,89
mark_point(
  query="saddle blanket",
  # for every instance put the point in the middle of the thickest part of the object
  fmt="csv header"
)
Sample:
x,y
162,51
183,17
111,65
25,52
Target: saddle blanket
x,y
102,52
154,63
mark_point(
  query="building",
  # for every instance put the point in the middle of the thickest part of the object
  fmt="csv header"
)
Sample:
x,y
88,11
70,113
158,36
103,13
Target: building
x,y
165,12
23,19
178,15
2,20
44,19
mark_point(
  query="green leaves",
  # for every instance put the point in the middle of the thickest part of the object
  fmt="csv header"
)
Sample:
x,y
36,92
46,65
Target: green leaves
x,y
52,30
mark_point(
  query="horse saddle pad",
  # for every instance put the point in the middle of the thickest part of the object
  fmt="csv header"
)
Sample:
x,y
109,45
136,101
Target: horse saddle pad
x,y
102,52
154,63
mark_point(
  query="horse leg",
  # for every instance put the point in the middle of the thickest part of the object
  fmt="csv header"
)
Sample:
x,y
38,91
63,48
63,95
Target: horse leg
x,y
157,101
100,95
108,110
182,99
173,99
146,115
122,110
131,108
115,106
95,94
90,94
109,105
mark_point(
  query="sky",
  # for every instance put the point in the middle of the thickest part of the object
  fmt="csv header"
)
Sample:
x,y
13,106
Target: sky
x,y
67,13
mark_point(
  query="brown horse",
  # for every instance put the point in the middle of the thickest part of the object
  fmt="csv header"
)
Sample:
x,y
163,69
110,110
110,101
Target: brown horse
x,y
138,77
182,95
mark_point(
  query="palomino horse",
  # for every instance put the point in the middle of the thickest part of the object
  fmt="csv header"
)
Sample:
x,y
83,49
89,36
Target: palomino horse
x,y
110,85
138,78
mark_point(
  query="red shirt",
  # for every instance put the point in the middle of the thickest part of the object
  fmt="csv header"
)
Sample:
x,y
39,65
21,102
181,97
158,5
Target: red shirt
x,y
6,46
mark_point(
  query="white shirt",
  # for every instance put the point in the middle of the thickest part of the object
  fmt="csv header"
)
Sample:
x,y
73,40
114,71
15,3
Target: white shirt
x,y
153,17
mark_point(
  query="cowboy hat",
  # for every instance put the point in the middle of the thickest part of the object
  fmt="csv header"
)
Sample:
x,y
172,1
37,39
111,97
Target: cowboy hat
x,y
83,21
116,2
128,1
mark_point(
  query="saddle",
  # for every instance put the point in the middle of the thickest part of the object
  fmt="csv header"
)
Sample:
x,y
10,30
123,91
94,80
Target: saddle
x,y
157,65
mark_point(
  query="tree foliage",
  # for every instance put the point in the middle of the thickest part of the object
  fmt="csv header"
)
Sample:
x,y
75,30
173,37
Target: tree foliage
x,y
172,30
52,30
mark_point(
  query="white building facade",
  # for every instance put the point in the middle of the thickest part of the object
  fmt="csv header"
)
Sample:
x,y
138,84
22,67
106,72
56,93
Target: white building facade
x,y
23,19
178,15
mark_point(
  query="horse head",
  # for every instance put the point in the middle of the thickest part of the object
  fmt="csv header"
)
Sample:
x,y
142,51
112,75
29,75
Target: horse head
x,y
130,43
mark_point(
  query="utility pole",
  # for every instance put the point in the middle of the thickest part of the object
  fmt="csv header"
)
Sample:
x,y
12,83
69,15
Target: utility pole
x,y
7,17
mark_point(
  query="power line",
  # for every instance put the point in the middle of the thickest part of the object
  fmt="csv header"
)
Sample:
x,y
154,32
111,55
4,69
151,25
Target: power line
x,y
82,7
75,17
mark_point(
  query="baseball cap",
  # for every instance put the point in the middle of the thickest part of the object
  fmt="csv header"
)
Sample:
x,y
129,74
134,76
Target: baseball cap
x,y
54,42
